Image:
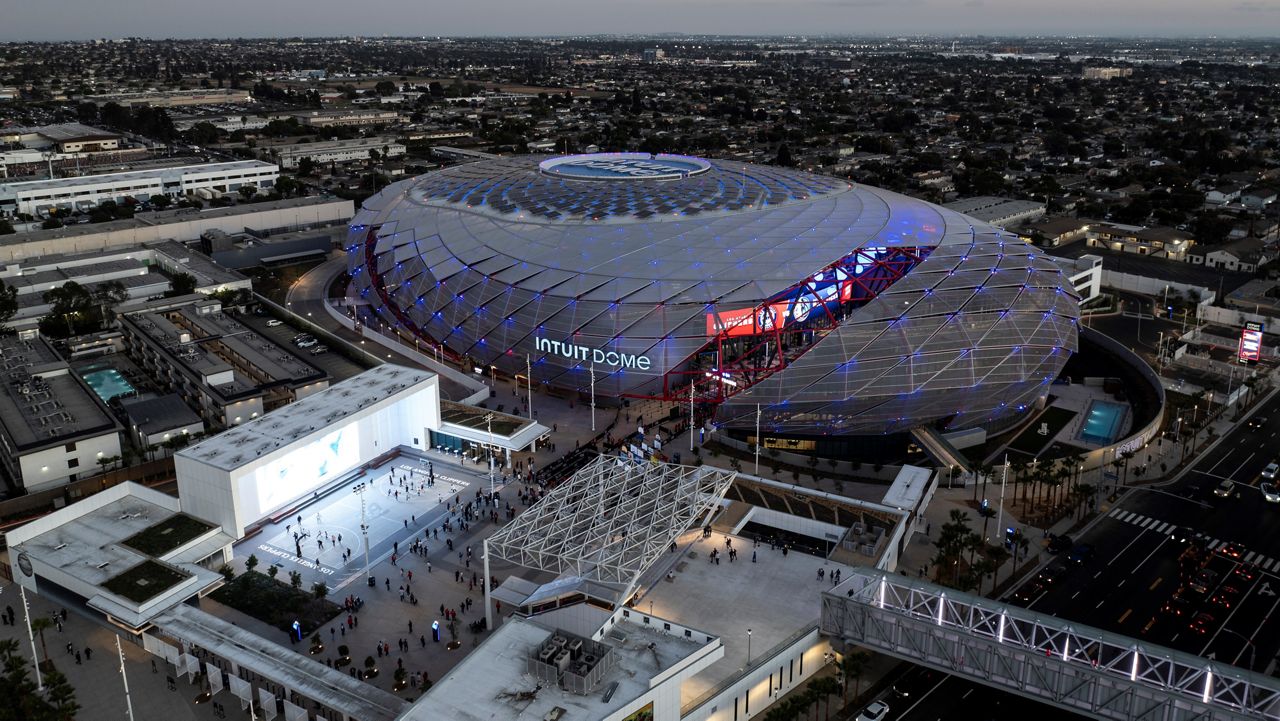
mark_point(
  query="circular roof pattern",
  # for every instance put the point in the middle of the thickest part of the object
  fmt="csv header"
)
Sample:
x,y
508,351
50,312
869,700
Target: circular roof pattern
x,y
624,166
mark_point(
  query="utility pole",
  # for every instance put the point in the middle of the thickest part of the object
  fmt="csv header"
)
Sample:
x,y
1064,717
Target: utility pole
x,y
128,702
359,490
593,396
691,416
1004,476
528,374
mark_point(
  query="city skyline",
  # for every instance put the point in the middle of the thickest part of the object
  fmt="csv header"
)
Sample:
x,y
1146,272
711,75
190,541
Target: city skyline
x,y
326,18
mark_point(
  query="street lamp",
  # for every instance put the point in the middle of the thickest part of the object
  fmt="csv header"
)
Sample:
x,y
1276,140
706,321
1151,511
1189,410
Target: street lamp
x,y
359,490
1253,650
748,648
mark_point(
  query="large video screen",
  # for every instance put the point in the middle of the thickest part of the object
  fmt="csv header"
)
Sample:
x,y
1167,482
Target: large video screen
x,y
302,471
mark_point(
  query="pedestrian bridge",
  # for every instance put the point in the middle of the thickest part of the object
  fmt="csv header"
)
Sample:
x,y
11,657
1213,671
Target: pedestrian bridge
x,y
1069,665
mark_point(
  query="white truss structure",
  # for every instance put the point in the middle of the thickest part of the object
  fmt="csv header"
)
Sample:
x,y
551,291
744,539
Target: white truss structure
x,y
1052,660
611,521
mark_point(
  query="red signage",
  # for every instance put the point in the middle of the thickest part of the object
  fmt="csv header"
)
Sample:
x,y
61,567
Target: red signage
x,y
1251,342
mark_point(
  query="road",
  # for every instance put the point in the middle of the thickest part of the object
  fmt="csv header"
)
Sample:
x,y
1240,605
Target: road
x,y
1136,565
924,695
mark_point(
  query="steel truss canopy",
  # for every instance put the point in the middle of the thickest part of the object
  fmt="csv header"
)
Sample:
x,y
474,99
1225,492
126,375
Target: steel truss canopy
x,y
1070,665
611,521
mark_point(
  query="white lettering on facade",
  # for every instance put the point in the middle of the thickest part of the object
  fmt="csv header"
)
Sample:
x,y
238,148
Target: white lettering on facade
x,y
572,352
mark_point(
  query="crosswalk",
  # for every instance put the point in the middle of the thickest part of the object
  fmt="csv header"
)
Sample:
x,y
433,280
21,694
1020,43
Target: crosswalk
x,y
1157,526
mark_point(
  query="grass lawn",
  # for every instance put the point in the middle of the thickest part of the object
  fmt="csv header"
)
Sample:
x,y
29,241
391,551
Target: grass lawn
x,y
174,531
275,602
1031,442
144,581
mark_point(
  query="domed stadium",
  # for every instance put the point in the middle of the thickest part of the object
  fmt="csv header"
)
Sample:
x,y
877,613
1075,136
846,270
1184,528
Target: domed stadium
x,y
834,308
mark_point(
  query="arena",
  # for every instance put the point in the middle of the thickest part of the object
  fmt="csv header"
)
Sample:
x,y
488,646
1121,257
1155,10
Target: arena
x,y
827,307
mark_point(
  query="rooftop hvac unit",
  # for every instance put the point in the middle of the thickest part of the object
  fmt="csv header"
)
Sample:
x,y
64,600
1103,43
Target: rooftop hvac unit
x,y
559,641
589,660
575,647
562,660
546,654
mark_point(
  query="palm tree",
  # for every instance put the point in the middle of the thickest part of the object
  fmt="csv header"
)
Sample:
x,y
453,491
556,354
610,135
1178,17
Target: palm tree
x,y
107,296
825,688
852,666
39,625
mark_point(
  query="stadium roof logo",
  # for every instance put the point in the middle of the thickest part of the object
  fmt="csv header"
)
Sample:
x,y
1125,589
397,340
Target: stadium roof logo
x,y
623,166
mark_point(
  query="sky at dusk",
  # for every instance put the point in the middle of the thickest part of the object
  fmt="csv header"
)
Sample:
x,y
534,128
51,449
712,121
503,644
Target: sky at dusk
x,y
86,19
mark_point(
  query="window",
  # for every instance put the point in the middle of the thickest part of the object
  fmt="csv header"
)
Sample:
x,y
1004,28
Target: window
x,y
71,447
73,463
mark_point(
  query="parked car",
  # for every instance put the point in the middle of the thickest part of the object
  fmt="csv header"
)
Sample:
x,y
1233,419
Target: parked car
x,y
320,349
1271,470
875,712
1058,544
1204,582
274,322
1177,605
308,342
1225,489
1053,573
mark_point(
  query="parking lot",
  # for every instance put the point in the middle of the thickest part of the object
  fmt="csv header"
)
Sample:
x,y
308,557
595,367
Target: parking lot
x,y
338,366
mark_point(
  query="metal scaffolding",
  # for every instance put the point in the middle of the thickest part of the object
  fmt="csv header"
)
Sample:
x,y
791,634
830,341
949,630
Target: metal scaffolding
x,y
610,522
1069,665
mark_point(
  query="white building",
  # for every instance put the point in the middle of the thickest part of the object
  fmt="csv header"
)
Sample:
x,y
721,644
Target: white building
x,y
1085,277
1000,212
336,151
242,475
53,428
63,195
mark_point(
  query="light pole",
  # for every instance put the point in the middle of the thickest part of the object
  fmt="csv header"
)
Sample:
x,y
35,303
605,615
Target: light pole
x,y
128,702
26,611
1253,650
593,396
748,648
359,490
488,419
757,471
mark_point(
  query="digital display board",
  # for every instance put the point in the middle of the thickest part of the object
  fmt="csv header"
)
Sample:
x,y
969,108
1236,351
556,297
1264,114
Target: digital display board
x,y
1251,342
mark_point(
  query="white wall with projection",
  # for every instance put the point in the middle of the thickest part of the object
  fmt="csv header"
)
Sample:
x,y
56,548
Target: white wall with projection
x,y
253,470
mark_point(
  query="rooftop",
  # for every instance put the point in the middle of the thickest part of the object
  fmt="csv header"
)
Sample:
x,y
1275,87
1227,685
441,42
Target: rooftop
x,y
61,132
41,402
159,414
133,176
232,448
493,681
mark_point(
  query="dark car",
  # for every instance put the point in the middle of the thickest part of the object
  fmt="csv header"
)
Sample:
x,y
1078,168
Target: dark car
x,y
1204,582
1245,572
1258,421
1028,592
1234,551
1054,573
1081,553
1178,605
1201,623
1058,544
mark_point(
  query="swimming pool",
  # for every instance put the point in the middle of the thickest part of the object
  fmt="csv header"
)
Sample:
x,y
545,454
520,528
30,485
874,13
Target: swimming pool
x,y
1102,422
107,383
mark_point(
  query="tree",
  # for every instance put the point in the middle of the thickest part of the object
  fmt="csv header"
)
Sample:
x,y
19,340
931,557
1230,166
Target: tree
x,y
39,625
784,158
71,303
825,688
181,284
6,228
852,666
107,296
8,305
160,201
295,579
251,562
319,589
306,167
247,191
287,186
51,223
954,540
272,570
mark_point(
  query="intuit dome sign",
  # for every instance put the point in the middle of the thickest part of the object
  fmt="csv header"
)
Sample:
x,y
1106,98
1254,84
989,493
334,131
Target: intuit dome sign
x,y
606,358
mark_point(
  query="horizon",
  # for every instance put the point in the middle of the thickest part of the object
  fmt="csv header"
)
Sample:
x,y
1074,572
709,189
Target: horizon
x,y
244,20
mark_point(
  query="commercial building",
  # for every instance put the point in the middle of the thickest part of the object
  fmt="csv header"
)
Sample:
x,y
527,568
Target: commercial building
x,y
833,308
1106,73
1000,212
334,118
64,137
158,420
179,224
220,367
144,272
336,151
174,98
64,195
53,428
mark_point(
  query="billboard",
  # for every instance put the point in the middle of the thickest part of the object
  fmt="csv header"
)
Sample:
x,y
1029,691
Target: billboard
x,y
1251,342
300,471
